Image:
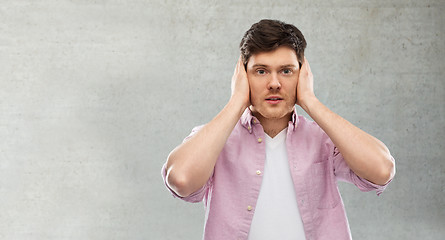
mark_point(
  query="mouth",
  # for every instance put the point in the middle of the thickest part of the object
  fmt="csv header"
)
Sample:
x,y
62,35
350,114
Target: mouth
x,y
274,99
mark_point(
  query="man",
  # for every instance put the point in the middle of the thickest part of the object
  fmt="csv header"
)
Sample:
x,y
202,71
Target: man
x,y
264,172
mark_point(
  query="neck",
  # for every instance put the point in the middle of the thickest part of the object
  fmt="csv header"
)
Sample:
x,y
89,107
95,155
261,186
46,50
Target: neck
x,y
273,126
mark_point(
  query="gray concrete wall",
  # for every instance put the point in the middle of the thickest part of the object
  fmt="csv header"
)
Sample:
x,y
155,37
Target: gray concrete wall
x,y
95,94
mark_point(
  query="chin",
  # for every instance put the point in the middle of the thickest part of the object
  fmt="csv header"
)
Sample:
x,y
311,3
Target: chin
x,y
273,114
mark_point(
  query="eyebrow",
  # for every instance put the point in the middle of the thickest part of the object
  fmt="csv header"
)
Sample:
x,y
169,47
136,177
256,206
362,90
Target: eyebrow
x,y
282,66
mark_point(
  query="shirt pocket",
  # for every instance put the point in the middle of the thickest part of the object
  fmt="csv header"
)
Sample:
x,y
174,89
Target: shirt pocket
x,y
324,193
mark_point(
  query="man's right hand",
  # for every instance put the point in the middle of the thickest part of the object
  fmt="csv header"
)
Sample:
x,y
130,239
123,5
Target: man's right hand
x,y
240,85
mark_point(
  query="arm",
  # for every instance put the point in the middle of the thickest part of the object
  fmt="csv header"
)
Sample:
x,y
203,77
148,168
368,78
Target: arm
x,y
367,156
191,164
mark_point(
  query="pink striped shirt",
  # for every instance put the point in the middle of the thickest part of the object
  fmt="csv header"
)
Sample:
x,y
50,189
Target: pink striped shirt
x,y
231,193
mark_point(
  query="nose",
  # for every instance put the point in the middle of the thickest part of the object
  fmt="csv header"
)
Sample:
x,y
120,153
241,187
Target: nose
x,y
274,82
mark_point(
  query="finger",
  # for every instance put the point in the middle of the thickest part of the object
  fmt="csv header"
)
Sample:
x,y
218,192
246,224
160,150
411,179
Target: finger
x,y
237,65
307,64
243,66
240,62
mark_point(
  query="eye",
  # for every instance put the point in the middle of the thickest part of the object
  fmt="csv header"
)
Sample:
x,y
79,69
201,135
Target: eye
x,y
287,71
261,71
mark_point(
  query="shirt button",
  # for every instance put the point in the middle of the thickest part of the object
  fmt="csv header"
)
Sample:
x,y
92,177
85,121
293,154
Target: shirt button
x,y
249,127
254,121
249,208
260,140
258,172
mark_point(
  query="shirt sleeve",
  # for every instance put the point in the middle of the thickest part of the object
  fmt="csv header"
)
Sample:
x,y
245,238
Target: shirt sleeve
x,y
344,173
199,194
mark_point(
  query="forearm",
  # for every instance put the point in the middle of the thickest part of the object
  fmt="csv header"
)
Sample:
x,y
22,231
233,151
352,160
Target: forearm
x,y
190,165
367,156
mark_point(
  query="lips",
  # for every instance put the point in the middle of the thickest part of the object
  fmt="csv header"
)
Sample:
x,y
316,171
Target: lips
x,y
274,98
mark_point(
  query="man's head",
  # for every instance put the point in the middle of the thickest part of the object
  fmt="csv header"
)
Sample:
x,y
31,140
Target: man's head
x,y
267,35
272,53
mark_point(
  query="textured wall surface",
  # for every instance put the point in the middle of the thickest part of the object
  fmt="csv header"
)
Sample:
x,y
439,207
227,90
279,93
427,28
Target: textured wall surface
x,y
95,94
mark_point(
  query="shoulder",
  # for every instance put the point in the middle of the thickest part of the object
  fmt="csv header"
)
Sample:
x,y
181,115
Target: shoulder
x,y
193,132
309,126
237,131
311,131
197,128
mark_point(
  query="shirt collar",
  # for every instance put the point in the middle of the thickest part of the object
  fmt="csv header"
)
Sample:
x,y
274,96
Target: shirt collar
x,y
248,120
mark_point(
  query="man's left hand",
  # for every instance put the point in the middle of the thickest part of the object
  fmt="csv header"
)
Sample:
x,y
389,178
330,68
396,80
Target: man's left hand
x,y
305,85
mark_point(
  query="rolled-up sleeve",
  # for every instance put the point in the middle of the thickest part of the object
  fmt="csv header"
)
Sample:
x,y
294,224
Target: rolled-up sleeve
x,y
344,173
197,196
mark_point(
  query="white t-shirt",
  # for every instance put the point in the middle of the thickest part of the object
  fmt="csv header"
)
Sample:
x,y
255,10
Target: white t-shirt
x,y
276,213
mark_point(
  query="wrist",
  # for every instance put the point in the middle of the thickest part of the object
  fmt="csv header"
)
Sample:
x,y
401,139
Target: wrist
x,y
238,103
308,103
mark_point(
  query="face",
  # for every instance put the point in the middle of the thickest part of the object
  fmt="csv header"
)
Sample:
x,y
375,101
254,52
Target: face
x,y
273,78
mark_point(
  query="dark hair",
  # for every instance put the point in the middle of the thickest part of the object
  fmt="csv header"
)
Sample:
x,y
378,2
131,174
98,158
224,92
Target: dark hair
x,y
267,35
